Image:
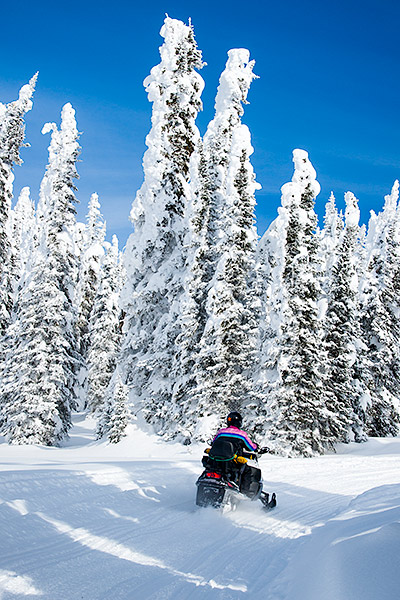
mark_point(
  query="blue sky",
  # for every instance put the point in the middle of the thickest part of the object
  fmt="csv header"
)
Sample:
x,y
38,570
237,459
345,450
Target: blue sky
x,y
328,84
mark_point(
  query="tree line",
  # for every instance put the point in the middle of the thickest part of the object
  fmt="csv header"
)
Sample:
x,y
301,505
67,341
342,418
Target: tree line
x,y
298,330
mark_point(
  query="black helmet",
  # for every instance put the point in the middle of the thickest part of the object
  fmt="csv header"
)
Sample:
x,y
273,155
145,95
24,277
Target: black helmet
x,y
234,419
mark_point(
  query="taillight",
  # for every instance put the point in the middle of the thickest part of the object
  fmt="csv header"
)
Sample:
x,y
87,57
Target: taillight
x,y
213,475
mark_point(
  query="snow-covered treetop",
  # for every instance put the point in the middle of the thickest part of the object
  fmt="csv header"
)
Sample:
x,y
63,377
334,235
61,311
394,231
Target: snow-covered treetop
x,y
12,129
56,191
96,226
114,245
352,212
233,88
24,203
24,225
235,81
378,223
26,93
174,88
304,173
63,145
391,199
113,259
304,178
330,211
179,55
23,215
333,221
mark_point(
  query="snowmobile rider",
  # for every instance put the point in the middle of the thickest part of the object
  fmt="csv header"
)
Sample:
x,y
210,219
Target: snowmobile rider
x,y
251,476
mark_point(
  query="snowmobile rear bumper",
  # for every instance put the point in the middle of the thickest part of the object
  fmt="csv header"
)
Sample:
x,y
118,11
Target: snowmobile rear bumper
x,y
210,494
216,492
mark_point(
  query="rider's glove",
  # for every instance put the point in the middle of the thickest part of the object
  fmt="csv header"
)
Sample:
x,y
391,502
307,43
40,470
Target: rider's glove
x,y
264,450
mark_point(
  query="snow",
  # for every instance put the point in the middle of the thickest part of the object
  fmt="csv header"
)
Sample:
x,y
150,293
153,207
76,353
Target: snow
x,y
92,520
231,87
356,554
304,172
352,213
26,92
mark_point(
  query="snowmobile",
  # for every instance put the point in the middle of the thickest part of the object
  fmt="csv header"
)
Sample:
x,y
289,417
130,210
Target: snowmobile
x,y
219,484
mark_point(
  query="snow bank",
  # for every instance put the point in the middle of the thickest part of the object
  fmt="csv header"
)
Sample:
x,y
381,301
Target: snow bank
x,y
93,520
355,555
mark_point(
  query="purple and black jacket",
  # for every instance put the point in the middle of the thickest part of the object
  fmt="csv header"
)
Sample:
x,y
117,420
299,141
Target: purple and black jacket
x,y
237,434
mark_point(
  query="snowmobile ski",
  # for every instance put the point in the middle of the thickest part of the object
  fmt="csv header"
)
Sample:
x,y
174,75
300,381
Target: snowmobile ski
x,y
268,503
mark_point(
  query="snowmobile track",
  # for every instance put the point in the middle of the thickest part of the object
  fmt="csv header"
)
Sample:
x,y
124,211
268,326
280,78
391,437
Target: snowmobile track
x,y
78,523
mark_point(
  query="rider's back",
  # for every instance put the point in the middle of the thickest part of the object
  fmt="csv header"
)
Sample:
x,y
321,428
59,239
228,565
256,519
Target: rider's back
x,y
239,439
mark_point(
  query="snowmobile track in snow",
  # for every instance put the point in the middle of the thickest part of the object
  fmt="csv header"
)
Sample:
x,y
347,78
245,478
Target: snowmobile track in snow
x,y
85,522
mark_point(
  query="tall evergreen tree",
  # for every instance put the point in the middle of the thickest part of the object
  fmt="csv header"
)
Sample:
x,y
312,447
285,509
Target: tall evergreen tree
x,y
380,321
270,262
201,236
105,328
329,240
114,417
23,235
229,343
156,251
296,422
12,134
345,362
41,358
91,256
222,226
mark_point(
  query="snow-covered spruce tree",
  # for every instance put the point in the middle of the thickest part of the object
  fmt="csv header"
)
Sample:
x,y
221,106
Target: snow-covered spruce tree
x,y
41,358
12,134
91,255
393,258
222,224
115,415
391,293
328,241
23,235
201,262
296,417
105,328
228,349
345,366
380,319
270,264
155,255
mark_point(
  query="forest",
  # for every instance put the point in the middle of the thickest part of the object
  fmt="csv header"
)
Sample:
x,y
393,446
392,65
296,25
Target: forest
x,y
197,316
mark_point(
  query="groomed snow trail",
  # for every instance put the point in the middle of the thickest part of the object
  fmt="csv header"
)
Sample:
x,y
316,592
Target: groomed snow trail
x,y
93,521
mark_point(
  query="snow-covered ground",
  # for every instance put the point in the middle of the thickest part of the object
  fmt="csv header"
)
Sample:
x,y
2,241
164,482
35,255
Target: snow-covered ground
x,y
94,521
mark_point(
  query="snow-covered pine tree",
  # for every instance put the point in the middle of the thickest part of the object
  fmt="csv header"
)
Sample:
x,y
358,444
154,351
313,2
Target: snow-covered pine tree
x,y
392,291
380,319
345,366
201,261
329,239
155,255
92,252
222,229
41,358
24,235
89,268
12,134
296,414
105,328
270,261
393,258
115,413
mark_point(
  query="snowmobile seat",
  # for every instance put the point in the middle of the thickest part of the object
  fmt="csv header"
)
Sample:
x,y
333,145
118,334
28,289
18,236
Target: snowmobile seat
x,y
221,456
